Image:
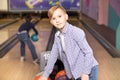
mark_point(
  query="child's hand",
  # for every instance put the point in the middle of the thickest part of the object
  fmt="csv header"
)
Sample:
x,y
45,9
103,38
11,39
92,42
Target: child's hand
x,y
40,77
85,77
43,78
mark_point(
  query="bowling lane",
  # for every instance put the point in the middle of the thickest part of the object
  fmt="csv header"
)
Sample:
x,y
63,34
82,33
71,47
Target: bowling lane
x,y
14,27
4,21
44,28
16,70
12,69
8,31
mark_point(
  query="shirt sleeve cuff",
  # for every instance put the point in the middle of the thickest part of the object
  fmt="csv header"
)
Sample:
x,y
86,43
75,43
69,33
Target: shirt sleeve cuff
x,y
45,74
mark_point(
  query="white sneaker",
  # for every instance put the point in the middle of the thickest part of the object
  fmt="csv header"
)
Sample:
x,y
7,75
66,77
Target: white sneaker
x,y
36,61
40,73
22,59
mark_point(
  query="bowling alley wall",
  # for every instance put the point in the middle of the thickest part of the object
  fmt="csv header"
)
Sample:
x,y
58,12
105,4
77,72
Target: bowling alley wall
x,y
42,5
107,13
3,5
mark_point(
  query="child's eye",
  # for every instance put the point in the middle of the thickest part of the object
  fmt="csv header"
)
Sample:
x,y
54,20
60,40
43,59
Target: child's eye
x,y
59,16
53,18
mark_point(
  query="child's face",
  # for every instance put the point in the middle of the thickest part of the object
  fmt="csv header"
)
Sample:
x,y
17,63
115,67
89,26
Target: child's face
x,y
59,19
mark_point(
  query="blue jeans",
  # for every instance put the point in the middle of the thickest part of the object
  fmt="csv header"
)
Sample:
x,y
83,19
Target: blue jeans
x,y
93,75
24,39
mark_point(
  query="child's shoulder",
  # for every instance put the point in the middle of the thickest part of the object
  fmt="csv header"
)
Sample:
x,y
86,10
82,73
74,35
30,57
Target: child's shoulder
x,y
76,29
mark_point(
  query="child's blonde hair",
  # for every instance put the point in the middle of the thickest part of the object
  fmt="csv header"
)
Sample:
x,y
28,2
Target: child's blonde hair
x,y
52,9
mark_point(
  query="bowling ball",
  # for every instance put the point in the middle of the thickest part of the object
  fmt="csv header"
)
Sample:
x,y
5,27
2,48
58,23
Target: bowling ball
x,y
61,75
38,77
34,37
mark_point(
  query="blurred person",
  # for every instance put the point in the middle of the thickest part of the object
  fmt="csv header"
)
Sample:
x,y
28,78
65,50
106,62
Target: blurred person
x,y
24,37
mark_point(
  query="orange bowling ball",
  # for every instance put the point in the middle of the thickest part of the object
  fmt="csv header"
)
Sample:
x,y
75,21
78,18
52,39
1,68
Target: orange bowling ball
x,y
61,75
38,77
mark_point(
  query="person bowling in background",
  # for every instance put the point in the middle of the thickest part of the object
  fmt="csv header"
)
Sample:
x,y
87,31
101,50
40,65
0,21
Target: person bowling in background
x,y
24,37
71,46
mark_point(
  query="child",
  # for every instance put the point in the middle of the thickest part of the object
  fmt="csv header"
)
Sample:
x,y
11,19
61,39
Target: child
x,y
23,36
74,51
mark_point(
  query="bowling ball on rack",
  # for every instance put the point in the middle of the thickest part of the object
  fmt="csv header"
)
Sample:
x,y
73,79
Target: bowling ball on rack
x,y
34,37
38,77
61,75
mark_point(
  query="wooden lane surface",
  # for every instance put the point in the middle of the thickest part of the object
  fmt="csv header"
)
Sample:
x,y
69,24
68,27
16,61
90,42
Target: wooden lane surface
x,y
12,69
